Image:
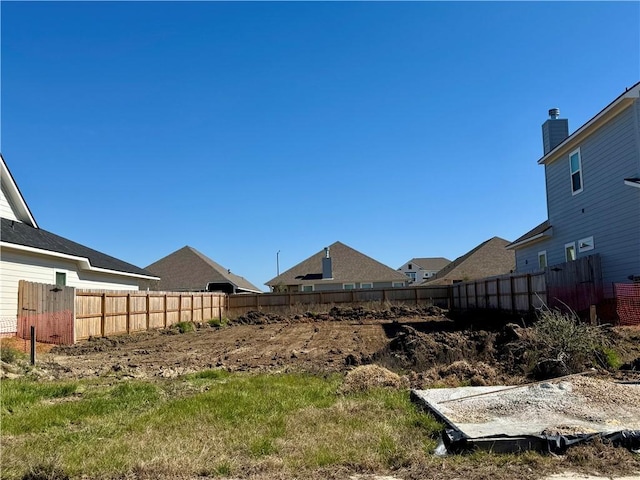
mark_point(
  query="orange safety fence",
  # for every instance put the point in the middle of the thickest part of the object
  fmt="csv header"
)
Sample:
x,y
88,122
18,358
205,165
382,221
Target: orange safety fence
x,y
627,303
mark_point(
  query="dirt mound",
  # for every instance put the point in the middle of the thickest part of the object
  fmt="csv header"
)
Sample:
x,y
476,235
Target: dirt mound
x,y
456,374
366,377
417,351
339,314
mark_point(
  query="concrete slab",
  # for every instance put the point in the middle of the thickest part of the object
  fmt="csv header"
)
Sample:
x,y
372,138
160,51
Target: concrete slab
x,y
571,406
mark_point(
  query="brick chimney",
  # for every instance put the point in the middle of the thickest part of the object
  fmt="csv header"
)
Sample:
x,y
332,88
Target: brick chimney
x,y
554,131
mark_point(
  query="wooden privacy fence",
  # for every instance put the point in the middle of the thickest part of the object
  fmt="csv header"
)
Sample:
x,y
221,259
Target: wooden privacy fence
x,y
103,313
574,285
49,308
64,315
512,293
242,303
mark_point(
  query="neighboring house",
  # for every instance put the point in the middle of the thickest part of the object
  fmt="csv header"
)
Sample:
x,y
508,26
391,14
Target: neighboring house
x,y
488,259
188,270
33,254
337,267
593,194
420,269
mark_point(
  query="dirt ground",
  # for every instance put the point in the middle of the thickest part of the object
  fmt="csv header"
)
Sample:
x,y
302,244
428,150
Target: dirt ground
x,y
420,343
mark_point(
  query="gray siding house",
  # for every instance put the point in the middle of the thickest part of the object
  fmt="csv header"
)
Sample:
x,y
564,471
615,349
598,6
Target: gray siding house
x,y
593,194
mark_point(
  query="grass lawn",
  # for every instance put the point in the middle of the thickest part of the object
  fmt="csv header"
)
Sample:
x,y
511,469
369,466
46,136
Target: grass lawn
x,y
216,424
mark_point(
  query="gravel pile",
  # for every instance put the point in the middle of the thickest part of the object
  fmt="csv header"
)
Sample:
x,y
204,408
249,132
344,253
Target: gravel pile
x,y
581,400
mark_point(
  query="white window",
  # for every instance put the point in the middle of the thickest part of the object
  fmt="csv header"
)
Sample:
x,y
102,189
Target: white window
x,y
570,251
366,285
61,279
411,275
348,286
397,284
307,288
542,259
575,166
585,244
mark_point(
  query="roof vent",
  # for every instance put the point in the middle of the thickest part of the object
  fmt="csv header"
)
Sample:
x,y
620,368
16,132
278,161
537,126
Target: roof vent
x,y
554,113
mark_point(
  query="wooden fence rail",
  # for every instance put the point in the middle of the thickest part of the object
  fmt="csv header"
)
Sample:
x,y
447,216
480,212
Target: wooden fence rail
x,y
103,312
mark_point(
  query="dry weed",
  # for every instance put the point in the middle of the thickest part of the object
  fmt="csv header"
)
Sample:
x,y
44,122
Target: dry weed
x,y
367,377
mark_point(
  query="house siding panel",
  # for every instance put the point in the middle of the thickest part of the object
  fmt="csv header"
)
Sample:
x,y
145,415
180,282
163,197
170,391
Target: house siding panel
x,y
16,266
606,209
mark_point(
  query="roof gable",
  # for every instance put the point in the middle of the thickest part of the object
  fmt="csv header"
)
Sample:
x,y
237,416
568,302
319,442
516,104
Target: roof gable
x,y
487,259
431,263
12,195
189,269
348,265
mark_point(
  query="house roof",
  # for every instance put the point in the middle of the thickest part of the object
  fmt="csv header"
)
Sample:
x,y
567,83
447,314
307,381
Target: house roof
x,y
488,259
348,265
37,240
537,233
431,263
187,269
609,112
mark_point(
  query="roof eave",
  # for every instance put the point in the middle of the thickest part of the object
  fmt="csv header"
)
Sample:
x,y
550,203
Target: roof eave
x,y
605,115
531,240
83,262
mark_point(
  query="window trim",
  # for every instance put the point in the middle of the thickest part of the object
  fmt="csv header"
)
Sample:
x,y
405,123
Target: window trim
x,y
579,171
344,286
543,253
368,285
55,278
590,244
397,284
575,252
302,288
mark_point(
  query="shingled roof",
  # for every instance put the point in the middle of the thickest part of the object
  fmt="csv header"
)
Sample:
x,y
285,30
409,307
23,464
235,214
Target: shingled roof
x,y
18,233
431,263
348,265
536,233
488,259
187,269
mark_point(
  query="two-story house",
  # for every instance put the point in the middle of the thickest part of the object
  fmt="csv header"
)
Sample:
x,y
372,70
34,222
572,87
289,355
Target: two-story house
x,y
421,269
593,194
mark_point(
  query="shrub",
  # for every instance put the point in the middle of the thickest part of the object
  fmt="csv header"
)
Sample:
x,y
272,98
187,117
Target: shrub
x,y
184,327
562,344
10,354
217,322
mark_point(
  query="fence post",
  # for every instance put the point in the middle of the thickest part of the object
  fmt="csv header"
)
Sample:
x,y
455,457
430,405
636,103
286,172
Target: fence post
x,y
148,301
33,345
128,313
103,318
165,310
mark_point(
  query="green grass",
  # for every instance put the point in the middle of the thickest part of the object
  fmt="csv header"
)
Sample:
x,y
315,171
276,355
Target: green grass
x,y
211,422
215,424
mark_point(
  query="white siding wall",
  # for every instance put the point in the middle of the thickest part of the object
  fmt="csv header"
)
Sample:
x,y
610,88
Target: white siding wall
x,y
16,266
5,207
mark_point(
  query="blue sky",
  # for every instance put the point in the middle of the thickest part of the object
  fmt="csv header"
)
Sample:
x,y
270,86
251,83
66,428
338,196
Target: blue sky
x,y
403,129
